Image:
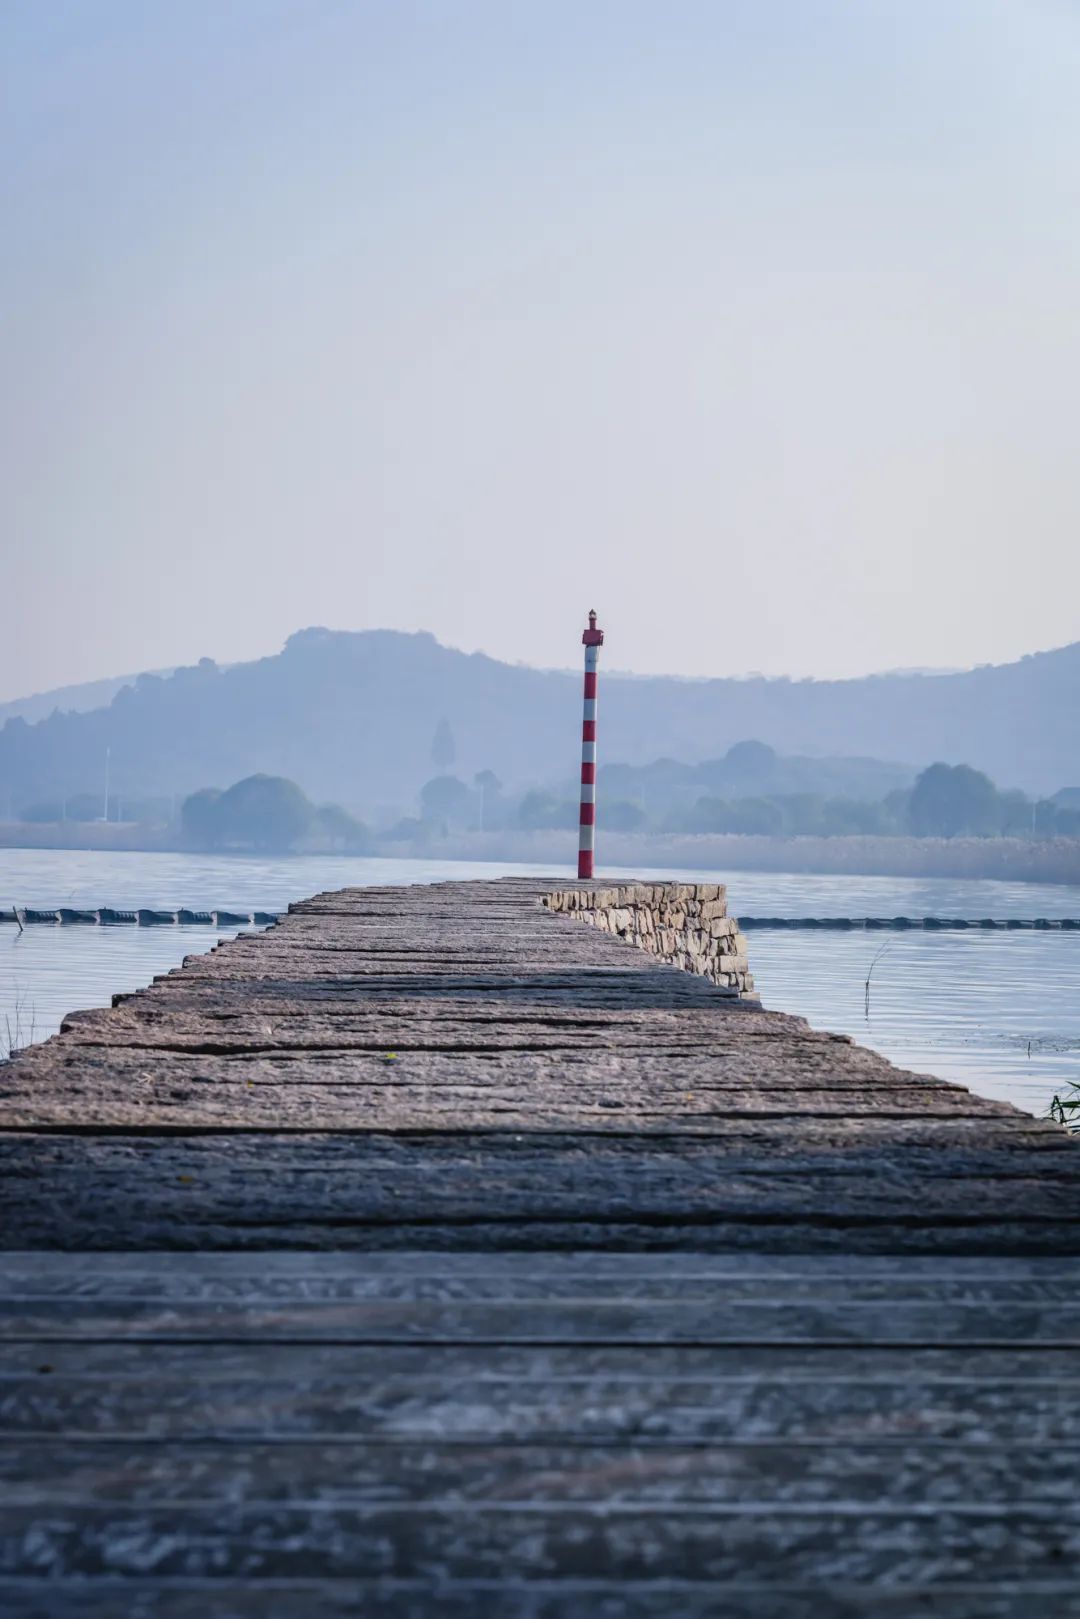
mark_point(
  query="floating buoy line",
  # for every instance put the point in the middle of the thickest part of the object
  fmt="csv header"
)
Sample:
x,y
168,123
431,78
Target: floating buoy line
x,y
928,924
141,916
147,917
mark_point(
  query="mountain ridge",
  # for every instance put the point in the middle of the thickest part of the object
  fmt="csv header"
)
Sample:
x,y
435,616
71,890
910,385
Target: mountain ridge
x,y
351,714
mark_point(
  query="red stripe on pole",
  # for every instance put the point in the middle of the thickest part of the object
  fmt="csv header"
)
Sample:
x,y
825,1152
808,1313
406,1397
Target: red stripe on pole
x,y
590,683
588,815
588,730
588,775
584,863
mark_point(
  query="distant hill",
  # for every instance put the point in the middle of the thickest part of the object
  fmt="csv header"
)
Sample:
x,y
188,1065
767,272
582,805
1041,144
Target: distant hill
x,y
352,718
76,699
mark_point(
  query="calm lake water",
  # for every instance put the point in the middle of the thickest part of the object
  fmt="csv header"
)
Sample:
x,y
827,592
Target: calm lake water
x,y
998,1012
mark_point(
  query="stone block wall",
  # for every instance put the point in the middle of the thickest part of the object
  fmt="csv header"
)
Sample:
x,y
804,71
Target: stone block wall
x,y
684,924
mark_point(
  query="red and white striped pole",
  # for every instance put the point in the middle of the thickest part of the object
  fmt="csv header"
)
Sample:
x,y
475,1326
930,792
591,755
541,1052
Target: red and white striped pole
x,y
593,640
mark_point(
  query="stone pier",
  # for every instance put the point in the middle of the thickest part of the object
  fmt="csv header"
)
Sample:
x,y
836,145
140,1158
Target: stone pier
x,y
433,1254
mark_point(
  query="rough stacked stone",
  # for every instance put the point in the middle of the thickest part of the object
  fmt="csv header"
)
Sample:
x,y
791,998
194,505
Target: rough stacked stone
x,y
685,924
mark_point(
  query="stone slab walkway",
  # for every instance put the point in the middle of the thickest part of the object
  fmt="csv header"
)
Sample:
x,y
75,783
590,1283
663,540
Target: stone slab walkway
x,y
433,1253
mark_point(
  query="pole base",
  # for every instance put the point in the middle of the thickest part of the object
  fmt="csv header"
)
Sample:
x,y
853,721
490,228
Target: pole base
x,y
584,863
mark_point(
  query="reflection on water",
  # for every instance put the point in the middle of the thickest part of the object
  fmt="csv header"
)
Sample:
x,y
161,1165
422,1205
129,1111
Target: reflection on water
x,y
996,1011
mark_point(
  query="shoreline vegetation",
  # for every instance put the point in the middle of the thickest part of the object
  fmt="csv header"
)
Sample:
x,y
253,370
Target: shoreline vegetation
x,y
1048,860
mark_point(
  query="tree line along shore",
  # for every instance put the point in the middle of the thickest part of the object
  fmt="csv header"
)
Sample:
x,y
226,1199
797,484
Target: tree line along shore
x,y
752,808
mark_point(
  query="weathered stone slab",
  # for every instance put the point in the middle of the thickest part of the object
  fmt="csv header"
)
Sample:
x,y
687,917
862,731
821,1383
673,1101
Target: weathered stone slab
x,y
519,1599
469,1260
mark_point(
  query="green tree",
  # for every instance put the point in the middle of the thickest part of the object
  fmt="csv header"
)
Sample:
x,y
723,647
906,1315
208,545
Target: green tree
x,y
757,817
489,787
748,767
446,799
803,813
410,829
341,830
896,808
1016,814
756,756
854,817
265,812
707,815
948,801
200,819
749,816
1046,819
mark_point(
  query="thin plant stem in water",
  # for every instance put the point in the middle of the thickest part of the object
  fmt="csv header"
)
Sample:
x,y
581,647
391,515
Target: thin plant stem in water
x,y
1065,1110
21,1033
866,987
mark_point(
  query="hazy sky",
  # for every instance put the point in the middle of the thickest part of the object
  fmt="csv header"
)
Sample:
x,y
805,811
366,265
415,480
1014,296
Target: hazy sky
x,y
755,323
